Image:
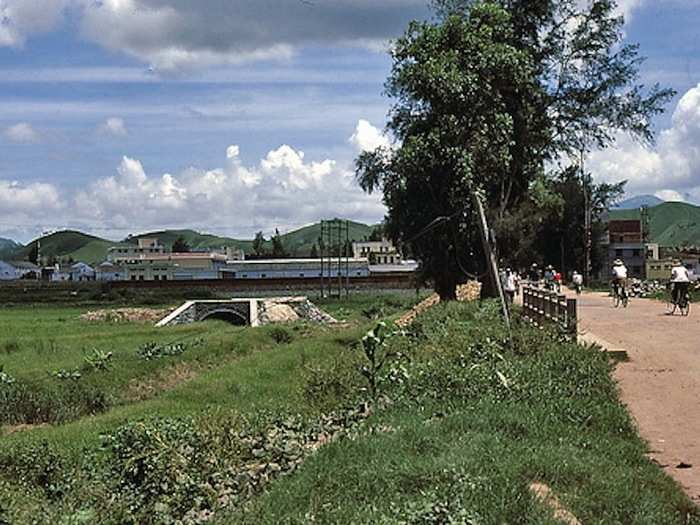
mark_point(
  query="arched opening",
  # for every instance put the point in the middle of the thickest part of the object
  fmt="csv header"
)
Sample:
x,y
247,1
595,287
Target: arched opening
x,y
230,316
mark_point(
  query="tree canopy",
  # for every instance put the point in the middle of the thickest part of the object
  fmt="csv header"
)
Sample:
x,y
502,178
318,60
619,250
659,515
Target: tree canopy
x,y
497,97
181,246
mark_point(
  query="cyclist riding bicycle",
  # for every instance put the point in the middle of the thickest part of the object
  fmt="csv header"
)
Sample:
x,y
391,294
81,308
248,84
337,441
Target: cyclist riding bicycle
x,y
619,278
577,279
680,281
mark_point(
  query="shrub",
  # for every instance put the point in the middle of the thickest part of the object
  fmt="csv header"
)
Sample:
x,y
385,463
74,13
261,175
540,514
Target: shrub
x,y
281,335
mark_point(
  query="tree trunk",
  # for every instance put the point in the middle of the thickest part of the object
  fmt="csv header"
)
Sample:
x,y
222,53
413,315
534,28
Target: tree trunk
x,y
446,286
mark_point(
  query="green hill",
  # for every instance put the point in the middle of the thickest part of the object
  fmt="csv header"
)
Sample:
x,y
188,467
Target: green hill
x,y
671,224
79,246
8,247
69,244
196,240
299,242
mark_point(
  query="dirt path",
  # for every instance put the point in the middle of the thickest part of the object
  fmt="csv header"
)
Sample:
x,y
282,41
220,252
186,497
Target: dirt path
x,y
661,382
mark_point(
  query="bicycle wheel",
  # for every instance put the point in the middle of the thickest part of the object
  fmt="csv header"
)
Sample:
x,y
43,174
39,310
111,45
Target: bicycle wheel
x,y
685,306
670,306
616,299
625,300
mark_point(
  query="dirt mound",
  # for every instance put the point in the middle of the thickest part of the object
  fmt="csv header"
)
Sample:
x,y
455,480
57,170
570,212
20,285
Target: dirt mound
x,y
125,315
465,292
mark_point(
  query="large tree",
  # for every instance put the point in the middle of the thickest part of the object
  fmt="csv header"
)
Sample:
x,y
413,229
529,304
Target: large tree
x,y
451,119
493,98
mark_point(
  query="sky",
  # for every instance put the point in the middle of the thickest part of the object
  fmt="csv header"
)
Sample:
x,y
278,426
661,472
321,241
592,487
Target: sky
x,y
233,116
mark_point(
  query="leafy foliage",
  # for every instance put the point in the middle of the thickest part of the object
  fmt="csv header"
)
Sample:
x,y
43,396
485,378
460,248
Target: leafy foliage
x,y
488,98
155,350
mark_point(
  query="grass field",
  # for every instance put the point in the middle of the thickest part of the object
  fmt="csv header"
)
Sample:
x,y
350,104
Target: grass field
x,y
276,425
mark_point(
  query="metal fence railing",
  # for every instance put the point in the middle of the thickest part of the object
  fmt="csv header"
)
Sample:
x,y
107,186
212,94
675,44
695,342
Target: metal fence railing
x,y
542,307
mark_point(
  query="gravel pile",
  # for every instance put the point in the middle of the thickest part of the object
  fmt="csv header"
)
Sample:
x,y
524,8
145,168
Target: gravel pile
x,y
125,315
465,292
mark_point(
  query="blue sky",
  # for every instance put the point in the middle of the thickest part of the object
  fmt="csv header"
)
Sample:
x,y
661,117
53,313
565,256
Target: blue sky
x,y
229,116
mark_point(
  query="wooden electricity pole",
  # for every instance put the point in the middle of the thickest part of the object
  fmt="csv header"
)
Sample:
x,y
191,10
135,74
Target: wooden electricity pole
x,y
491,262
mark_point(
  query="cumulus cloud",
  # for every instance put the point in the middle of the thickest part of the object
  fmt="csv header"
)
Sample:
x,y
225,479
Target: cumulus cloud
x,y
22,132
114,126
284,190
672,168
20,203
367,137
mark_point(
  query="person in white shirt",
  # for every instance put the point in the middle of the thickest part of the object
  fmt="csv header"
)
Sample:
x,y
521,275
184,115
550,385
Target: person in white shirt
x,y
619,277
510,285
577,279
680,280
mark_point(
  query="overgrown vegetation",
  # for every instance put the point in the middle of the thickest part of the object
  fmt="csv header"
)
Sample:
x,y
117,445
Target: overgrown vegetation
x,y
461,425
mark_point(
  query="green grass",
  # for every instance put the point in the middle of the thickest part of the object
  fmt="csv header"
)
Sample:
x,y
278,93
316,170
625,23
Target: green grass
x,y
463,424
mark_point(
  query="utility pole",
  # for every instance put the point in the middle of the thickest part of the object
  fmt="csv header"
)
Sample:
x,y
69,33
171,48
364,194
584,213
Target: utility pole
x,y
491,262
585,181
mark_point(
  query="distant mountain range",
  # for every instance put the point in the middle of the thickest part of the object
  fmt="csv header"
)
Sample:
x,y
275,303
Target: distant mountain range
x,y
8,247
671,224
638,202
80,246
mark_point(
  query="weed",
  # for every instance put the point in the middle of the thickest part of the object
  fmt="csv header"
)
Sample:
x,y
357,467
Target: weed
x,y
98,360
154,350
280,335
5,378
66,375
374,346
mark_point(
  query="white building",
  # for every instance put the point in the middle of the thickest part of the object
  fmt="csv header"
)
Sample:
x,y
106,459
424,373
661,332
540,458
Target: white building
x,y
377,252
108,271
13,270
293,269
143,249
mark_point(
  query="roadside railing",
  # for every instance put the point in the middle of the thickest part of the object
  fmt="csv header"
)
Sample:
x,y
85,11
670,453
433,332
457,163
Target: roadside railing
x,y
543,307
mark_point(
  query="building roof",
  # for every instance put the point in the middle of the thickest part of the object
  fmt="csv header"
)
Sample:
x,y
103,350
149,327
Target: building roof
x,y
22,265
253,262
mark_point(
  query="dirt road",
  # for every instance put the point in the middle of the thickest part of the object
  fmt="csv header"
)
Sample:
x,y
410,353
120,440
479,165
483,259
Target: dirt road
x,y
661,382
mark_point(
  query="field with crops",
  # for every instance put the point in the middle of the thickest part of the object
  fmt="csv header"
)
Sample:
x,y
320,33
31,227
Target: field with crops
x,y
445,421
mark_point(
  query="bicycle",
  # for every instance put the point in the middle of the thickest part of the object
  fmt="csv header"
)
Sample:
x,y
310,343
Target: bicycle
x,y
682,304
619,295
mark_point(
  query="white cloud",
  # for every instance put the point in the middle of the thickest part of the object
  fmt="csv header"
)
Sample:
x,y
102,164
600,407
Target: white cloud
x,y
21,18
670,196
21,132
671,168
367,137
114,126
285,190
21,201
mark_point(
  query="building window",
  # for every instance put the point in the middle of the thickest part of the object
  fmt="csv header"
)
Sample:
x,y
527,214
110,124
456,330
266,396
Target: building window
x,y
165,277
636,253
133,277
141,278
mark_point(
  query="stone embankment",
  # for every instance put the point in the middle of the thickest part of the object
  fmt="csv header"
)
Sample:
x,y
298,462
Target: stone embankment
x,y
465,292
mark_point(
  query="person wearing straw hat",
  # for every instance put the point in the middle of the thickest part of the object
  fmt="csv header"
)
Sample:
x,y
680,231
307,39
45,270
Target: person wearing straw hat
x,y
619,277
680,280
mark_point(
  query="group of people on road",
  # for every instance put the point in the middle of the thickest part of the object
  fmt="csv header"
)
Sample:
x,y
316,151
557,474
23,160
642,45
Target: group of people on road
x,y
551,279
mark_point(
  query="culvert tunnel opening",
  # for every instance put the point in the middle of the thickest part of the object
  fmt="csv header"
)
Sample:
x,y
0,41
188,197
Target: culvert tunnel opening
x,y
233,318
